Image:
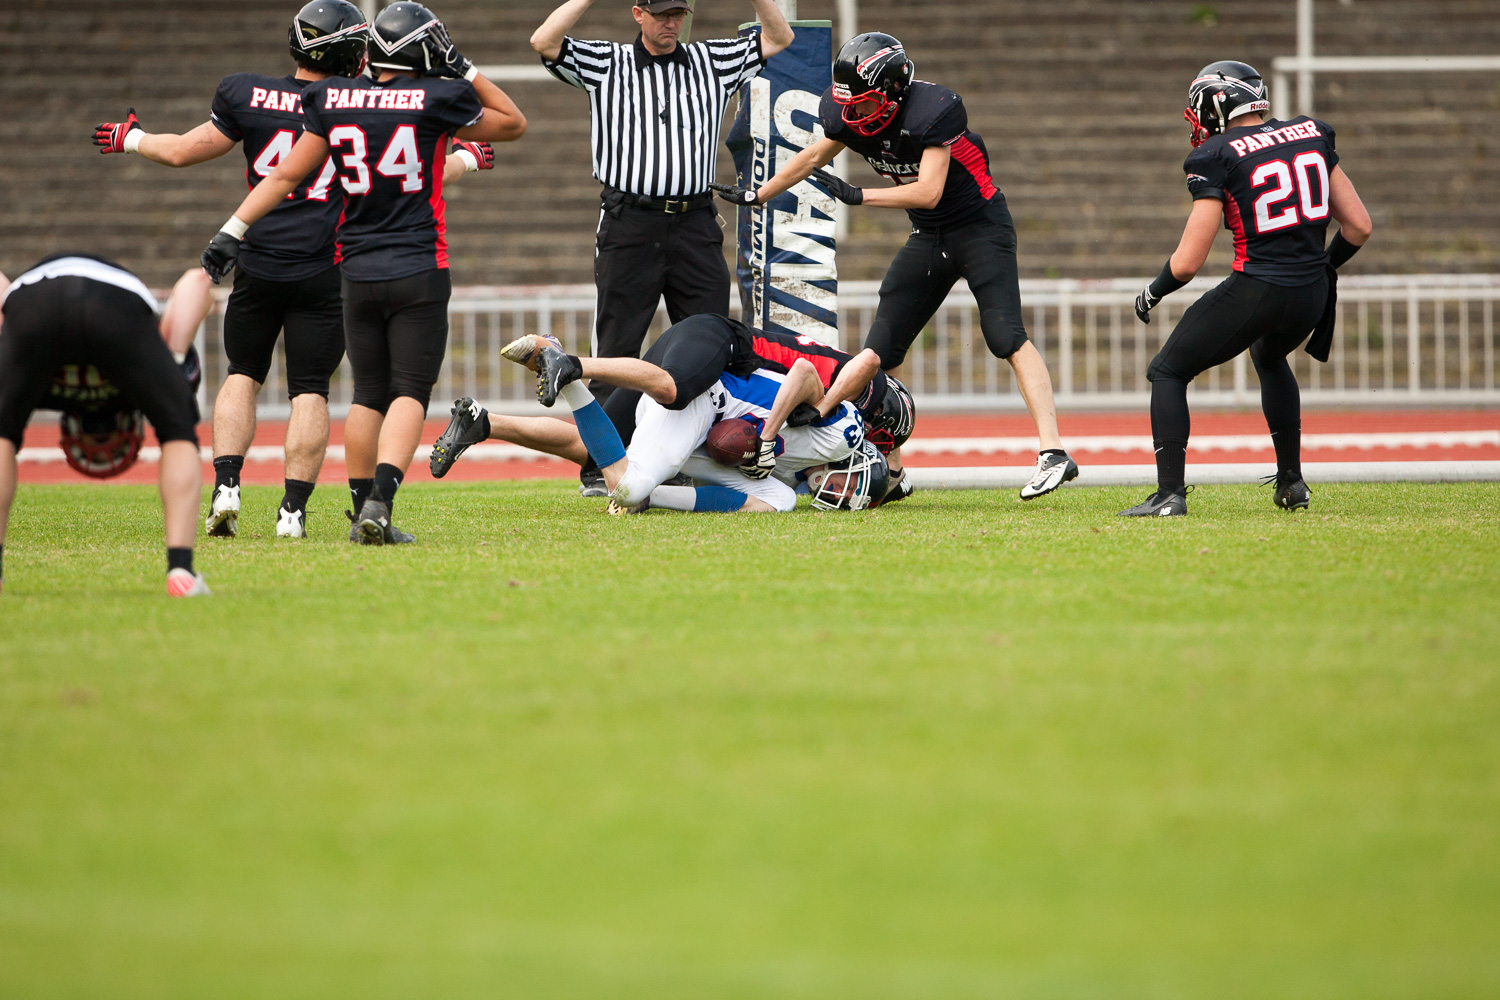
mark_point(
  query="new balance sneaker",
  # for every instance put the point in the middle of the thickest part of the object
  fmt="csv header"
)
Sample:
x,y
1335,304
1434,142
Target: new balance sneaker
x,y
291,523
375,527
524,351
469,426
1053,468
1291,492
592,485
223,518
181,583
554,369
1159,504
900,488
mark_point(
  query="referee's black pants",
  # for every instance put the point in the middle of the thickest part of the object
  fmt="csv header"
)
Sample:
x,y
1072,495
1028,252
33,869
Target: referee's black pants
x,y
1242,312
643,255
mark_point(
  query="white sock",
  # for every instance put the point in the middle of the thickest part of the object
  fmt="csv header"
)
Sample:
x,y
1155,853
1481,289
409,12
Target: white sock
x,y
675,498
576,395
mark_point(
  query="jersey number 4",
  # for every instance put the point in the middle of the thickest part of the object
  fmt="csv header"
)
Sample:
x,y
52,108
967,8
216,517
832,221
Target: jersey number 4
x,y
400,159
1301,182
277,149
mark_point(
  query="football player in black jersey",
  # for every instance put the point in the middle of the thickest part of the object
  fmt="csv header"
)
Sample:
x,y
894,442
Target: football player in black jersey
x,y
80,335
389,139
917,135
1275,185
288,279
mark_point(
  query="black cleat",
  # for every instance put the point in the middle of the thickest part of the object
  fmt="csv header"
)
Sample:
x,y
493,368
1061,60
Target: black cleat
x,y
375,527
1052,470
470,425
1159,504
1291,492
592,485
554,369
899,489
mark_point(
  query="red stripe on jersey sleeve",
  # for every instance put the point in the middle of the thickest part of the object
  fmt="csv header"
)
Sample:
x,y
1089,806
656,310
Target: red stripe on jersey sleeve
x,y
1236,225
968,154
781,357
439,206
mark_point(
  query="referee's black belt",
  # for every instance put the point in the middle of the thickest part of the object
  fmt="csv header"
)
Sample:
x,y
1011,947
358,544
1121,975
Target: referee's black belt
x,y
672,206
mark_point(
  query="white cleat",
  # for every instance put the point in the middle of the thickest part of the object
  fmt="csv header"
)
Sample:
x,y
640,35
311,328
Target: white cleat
x,y
291,523
223,518
1052,470
181,583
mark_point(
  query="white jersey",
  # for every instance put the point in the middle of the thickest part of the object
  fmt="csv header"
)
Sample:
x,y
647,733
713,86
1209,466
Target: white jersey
x,y
831,439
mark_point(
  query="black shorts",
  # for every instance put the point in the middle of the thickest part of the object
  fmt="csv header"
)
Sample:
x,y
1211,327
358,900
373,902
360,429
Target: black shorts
x,y
926,268
695,352
1241,312
79,321
311,312
397,333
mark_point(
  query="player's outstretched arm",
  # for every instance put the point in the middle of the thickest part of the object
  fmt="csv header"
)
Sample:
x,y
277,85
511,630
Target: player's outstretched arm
x,y
502,120
775,31
853,377
203,143
797,170
547,40
187,306
223,250
932,178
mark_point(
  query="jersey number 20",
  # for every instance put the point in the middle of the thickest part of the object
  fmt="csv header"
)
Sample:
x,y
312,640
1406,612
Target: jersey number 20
x,y
400,159
1303,181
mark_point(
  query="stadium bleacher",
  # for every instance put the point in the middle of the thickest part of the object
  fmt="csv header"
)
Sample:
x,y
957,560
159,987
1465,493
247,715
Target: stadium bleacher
x,y
1079,101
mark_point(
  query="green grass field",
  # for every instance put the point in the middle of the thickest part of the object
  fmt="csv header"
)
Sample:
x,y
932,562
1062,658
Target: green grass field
x,y
959,748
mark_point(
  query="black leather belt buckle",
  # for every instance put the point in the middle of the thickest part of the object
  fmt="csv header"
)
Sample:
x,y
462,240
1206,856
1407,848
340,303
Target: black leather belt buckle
x,y
674,206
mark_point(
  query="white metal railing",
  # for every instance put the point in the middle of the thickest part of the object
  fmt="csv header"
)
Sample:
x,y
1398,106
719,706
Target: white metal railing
x,y
1400,340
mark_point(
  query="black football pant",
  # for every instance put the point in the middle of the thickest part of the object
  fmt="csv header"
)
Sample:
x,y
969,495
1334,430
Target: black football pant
x,y
695,353
927,267
1241,313
397,333
310,311
78,321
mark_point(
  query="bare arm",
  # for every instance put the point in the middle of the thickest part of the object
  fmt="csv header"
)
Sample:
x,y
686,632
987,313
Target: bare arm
x,y
802,385
187,306
547,40
306,156
502,120
1348,209
853,377
932,176
799,168
203,143
1197,238
775,32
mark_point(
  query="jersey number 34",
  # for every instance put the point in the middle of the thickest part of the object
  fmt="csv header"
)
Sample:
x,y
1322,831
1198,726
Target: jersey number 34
x,y
1300,183
399,160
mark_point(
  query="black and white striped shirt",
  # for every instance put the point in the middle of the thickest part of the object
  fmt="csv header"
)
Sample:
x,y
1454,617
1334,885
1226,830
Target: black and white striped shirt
x,y
655,119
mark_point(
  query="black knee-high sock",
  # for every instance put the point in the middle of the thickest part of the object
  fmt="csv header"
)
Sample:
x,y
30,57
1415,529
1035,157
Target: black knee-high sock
x,y
298,491
1170,425
359,492
227,470
1281,402
387,482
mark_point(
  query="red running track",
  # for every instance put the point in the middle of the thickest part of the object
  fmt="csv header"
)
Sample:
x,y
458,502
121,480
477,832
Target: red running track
x,y
934,426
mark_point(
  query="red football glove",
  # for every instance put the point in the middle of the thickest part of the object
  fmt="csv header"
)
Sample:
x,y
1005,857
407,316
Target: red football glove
x,y
110,136
481,153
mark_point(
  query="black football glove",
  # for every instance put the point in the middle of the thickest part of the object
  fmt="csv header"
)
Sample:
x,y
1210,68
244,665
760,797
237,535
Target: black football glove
x,y
803,414
1144,303
110,136
482,152
219,258
839,188
449,61
735,195
764,461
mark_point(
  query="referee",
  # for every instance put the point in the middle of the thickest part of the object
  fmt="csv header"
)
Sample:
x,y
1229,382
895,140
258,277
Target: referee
x,y
656,108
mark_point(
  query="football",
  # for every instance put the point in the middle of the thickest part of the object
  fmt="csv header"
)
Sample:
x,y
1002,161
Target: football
x,y
731,442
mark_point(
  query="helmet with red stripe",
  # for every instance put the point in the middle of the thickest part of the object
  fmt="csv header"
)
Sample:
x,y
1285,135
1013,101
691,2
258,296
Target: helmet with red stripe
x,y
892,426
1221,91
871,74
329,36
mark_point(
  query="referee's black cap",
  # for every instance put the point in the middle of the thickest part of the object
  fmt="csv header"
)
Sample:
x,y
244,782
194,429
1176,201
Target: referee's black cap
x,y
662,6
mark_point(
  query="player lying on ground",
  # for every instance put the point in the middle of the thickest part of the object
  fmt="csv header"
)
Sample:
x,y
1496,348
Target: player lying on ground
x,y
287,281
80,335
390,137
829,454
917,135
688,357
1274,184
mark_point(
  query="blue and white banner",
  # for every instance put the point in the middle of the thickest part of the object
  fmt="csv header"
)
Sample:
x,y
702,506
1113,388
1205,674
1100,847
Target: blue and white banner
x,y
786,268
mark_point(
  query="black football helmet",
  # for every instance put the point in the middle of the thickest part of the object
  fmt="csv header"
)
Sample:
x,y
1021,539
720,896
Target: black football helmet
x,y
399,38
1221,91
872,65
853,483
892,426
329,36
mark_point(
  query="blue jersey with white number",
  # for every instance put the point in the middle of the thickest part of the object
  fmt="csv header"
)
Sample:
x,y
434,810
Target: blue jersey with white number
x,y
751,398
296,240
1274,182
